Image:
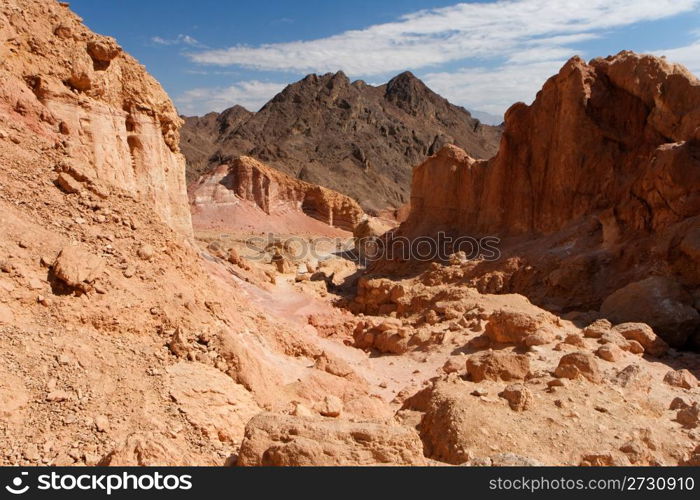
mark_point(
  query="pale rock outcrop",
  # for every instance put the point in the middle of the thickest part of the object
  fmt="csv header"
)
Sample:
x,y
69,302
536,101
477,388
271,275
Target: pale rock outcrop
x,y
244,180
211,401
113,118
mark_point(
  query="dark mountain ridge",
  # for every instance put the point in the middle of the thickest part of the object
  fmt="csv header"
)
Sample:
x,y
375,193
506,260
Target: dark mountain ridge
x,y
358,139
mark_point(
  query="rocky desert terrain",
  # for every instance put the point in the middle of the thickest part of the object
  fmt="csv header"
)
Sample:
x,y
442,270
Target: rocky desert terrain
x,y
223,318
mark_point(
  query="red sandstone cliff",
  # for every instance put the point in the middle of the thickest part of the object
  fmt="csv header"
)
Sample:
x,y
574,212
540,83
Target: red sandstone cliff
x,y
617,139
595,188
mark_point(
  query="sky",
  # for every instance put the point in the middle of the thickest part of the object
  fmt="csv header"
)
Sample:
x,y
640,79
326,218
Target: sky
x,y
483,55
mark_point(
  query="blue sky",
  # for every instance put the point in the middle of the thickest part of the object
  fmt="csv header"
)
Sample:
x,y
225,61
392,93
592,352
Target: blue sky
x,y
484,55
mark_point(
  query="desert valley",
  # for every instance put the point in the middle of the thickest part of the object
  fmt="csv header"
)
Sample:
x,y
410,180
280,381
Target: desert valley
x,y
252,288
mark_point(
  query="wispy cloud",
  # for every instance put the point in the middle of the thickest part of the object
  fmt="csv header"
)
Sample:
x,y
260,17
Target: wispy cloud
x,y
689,55
493,90
180,39
464,31
250,94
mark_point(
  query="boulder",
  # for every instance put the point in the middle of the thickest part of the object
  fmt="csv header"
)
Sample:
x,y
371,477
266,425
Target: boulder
x,y
681,378
146,252
284,440
609,352
513,327
660,303
643,333
597,329
579,364
498,366
689,417
331,406
77,268
634,377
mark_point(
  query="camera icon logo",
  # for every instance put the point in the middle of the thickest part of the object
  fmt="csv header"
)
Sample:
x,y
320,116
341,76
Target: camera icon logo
x,y
16,487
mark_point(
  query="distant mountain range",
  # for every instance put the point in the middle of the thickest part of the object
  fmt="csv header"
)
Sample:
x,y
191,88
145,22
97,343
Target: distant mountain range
x,y
358,139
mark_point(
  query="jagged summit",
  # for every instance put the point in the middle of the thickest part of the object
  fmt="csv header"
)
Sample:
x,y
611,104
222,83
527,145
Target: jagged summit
x,y
358,139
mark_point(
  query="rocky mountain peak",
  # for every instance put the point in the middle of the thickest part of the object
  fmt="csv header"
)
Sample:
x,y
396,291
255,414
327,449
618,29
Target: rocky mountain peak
x,y
355,138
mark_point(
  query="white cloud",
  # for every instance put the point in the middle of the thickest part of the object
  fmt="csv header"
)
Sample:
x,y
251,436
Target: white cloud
x,y
250,94
178,40
468,30
493,90
688,56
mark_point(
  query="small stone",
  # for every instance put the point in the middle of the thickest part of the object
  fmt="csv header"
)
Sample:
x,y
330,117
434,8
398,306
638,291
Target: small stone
x,y
101,423
332,406
58,395
302,411
609,352
518,396
681,378
146,252
678,404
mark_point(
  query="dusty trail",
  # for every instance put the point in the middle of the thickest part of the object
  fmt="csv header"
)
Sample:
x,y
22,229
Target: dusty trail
x,y
388,375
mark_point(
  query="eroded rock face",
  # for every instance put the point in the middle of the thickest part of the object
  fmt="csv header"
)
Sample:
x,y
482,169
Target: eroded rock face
x,y
246,180
276,440
580,140
605,159
114,118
